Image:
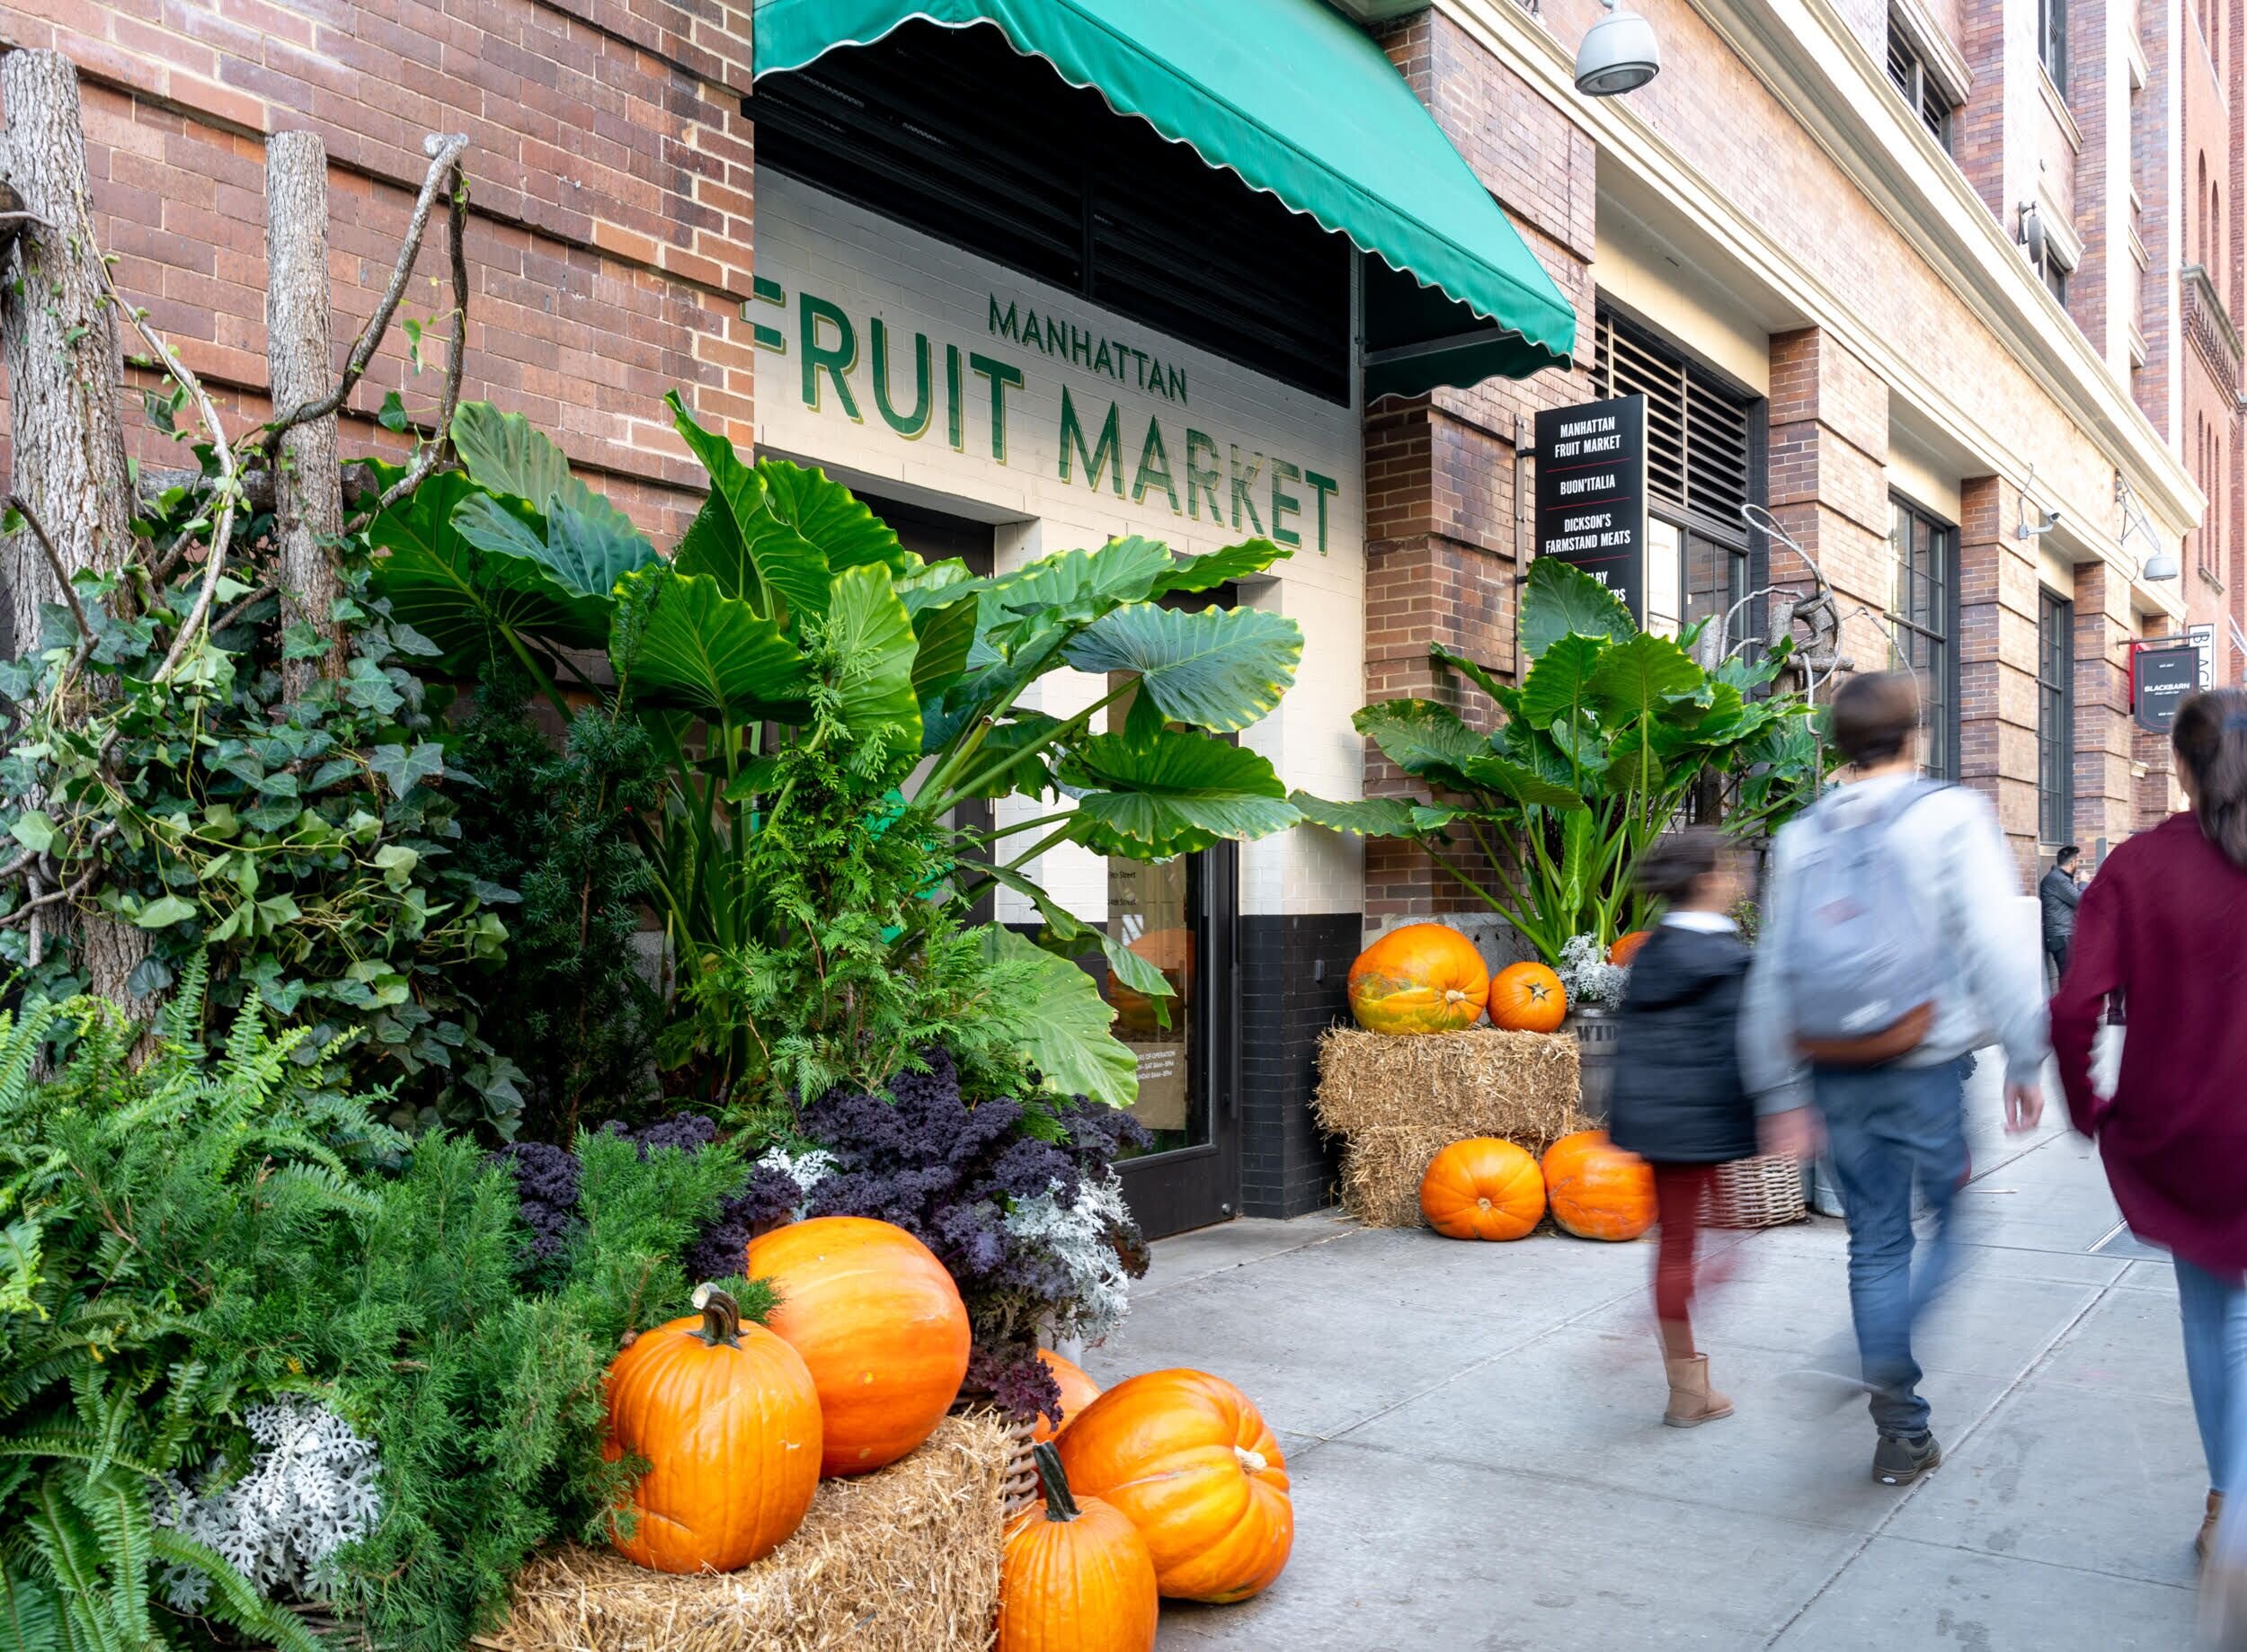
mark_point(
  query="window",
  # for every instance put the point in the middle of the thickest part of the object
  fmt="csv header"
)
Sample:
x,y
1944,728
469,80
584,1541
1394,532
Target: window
x,y
1704,461
2055,278
2055,717
1907,72
2052,40
1923,612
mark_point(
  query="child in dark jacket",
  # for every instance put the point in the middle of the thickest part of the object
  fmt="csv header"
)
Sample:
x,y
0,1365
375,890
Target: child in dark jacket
x,y
1679,1101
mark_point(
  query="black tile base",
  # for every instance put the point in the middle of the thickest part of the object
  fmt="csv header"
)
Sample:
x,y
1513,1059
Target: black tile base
x,y
1294,972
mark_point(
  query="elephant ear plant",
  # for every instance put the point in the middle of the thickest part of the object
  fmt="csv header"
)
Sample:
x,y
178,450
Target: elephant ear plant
x,y
1602,745
824,704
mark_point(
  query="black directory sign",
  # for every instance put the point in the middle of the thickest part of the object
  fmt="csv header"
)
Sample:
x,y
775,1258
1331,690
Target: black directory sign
x,y
2161,676
1592,493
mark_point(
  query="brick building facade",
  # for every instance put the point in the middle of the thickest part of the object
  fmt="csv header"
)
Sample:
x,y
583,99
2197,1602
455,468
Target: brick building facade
x,y
1815,216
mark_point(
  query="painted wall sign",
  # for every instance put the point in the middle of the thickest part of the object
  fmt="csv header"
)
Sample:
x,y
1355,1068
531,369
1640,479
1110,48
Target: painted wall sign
x,y
1592,493
885,351
2161,678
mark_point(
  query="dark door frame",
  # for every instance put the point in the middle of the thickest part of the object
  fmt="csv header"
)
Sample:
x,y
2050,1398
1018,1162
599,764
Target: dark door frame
x,y
1195,1187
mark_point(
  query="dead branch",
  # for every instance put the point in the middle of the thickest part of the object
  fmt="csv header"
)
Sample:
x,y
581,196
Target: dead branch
x,y
229,476
445,151
426,458
240,608
54,561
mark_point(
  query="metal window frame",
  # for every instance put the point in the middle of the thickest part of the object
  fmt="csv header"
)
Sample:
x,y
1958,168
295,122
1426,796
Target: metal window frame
x,y
2052,41
1942,759
2055,716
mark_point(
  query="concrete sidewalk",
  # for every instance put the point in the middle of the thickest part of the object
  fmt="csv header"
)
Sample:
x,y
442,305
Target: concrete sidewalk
x,y
1474,1436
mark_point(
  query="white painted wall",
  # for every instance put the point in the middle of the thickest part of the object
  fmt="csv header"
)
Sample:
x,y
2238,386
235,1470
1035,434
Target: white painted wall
x,y
814,248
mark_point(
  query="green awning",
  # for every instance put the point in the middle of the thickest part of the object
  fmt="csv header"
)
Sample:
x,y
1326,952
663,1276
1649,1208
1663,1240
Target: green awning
x,y
1290,96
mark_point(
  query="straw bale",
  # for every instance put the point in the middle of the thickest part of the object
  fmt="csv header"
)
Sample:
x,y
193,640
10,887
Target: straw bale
x,y
903,1559
1396,1101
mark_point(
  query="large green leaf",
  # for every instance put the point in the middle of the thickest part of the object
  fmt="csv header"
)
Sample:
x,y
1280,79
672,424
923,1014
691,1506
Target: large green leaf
x,y
872,638
831,517
507,454
1371,817
736,540
1220,567
1422,738
1077,587
1507,697
990,774
1558,689
1522,783
1220,669
460,595
1067,1021
590,545
946,635
1180,792
1562,599
1066,931
1642,677
681,641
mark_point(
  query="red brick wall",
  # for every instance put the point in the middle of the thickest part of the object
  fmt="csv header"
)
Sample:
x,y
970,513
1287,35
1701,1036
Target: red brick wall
x,y
1997,660
611,166
2106,804
1440,531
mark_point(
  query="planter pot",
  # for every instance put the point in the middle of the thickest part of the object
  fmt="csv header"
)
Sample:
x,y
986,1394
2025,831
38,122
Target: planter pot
x,y
1595,1031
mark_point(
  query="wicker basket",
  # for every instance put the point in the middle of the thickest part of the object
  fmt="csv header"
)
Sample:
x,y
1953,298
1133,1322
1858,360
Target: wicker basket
x,y
1019,1490
1763,1192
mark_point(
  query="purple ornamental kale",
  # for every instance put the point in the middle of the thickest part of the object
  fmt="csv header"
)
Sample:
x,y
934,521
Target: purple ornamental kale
x,y
546,1186
721,1250
688,1132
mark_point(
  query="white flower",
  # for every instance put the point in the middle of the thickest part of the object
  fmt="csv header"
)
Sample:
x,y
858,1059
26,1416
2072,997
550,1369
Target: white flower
x,y
312,1485
1590,981
1080,1237
807,1170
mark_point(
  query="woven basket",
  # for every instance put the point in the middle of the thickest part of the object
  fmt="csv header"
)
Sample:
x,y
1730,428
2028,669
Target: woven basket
x,y
1761,1192
1020,1489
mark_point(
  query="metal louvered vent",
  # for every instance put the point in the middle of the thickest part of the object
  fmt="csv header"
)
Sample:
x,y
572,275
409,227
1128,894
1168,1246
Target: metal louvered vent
x,y
953,132
1699,441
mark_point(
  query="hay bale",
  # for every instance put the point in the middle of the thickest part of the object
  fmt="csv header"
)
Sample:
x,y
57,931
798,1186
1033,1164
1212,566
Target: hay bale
x,y
904,1559
1396,1101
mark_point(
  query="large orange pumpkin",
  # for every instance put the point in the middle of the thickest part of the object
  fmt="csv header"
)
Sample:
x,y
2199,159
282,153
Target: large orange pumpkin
x,y
1626,946
1423,978
729,1422
881,1326
1596,1190
1197,1470
1076,1576
1482,1188
1171,951
1077,1391
1527,998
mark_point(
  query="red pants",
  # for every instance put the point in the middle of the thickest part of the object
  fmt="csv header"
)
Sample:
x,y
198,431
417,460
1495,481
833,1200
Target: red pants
x,y
1681,1192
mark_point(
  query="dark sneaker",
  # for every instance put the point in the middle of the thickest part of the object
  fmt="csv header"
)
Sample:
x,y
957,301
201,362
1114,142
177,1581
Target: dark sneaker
x,y
1900,1460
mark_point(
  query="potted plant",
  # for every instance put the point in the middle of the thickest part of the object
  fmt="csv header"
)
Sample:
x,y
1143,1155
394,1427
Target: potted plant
x,y
1604,745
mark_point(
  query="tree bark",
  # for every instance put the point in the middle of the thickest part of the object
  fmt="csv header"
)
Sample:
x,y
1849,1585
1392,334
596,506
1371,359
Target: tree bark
x,y
58,338
307,485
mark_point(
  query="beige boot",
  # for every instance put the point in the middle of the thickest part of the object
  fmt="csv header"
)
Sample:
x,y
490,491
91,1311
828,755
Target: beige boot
x,y
1692,1401
2201,1543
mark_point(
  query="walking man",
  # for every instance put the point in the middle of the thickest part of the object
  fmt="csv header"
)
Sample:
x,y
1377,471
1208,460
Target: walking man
x,y
2059,895
1888,959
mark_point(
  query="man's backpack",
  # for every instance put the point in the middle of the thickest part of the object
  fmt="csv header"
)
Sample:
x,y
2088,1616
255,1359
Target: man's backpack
x,y
1863,972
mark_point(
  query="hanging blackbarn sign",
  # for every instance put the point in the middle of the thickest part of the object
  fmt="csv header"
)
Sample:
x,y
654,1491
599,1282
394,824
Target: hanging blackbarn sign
x,y
2161,677
1592,493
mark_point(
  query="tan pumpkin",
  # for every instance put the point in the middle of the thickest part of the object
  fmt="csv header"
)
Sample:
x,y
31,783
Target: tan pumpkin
x,y
1595,1190
1077,1391
727,1419
1423,978
880,1325
1528,998
1483,1188
1196,1468
1076,1575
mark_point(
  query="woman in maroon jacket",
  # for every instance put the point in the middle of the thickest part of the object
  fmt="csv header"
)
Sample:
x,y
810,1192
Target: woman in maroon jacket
x,y
2164,926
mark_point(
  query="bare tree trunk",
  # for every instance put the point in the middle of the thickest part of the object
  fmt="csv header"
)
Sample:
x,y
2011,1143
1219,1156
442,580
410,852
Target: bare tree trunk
x,y
58,338
307,487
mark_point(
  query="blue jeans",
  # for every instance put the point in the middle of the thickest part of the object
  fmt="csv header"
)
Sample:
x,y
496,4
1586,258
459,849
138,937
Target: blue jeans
x,y
1892,1130
2214,1313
